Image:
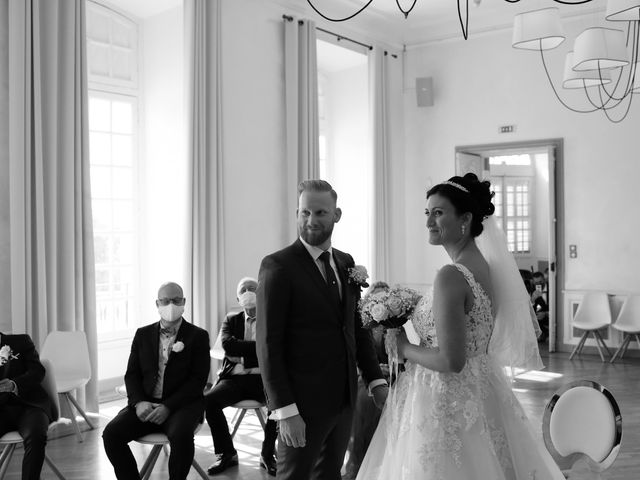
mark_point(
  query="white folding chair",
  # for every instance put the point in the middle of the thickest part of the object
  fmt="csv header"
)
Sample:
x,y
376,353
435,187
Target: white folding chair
x,y
11,440
241,410
159,441
628,322
69,353
582,425
593,314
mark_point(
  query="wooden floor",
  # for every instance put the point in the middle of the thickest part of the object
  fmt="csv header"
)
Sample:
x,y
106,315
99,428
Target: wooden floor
x,y
87,461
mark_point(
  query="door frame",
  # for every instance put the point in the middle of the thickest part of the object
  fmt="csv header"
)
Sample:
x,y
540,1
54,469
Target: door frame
x,y
556,219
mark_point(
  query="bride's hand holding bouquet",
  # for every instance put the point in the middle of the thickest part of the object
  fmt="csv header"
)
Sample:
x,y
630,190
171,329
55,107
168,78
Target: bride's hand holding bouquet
x,y
391,308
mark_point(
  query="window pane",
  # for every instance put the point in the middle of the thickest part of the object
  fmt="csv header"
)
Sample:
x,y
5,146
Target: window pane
x,y
122,121
100,182
99,114
122,216
122,183
100,148
122,150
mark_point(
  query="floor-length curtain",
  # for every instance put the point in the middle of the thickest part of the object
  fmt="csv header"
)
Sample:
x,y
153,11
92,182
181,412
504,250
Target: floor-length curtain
x,y
301,107
379,70
204,140
52,260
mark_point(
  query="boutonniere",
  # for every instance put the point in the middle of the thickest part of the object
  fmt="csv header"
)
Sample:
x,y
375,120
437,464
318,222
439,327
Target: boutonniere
x,y
177,347
358,276
6,354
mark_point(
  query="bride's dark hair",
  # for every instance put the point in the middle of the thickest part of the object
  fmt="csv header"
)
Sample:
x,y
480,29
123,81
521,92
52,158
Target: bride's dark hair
x,y
476,199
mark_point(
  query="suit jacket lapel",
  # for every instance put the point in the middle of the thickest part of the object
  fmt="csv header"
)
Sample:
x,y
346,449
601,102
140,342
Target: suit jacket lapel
x,y
179,338
347,298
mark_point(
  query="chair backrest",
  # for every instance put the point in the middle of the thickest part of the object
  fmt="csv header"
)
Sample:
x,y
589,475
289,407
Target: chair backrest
x,y
582,421
49,384
69,352
594,309
629,316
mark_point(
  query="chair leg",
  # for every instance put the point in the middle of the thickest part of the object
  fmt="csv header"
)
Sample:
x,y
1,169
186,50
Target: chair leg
x,y
76,427
82,412
600,341
5,458
637,339
196,466
578,347
53,467
145,471
622,348
236,425
260,416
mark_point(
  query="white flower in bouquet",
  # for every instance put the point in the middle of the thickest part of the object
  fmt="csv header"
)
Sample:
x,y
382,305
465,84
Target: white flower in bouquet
x,y
395,305
379,312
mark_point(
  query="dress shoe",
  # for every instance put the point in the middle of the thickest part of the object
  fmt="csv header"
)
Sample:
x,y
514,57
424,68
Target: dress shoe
x,y
223,461
268,462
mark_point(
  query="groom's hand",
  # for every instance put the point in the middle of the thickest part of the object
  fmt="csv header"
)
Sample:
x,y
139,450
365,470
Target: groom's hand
x,y
379,394
293,431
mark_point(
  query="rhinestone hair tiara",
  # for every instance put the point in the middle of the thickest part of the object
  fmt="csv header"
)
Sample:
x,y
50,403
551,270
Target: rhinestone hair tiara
x,y
454,184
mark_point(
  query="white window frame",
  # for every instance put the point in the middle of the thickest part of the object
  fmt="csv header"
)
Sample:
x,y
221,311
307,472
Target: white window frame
x,y
112,88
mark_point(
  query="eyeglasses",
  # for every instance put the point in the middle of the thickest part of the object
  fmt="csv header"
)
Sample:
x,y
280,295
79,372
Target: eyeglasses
x,y
163,302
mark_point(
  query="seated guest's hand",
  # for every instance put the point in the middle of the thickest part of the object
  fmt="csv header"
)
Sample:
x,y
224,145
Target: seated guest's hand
x,y
293,431
143,409
380,393
7,385
158,415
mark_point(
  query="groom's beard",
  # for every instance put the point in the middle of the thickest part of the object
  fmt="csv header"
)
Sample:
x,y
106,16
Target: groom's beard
x,y
316,236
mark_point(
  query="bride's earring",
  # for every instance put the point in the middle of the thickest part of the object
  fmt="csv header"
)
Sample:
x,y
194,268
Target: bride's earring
x,y
463,229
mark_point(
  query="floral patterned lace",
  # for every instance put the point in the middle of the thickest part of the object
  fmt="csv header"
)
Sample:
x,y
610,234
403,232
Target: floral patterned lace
x,y
460,399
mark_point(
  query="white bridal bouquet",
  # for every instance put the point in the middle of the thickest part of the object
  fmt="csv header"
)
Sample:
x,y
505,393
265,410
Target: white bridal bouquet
x,y
390,308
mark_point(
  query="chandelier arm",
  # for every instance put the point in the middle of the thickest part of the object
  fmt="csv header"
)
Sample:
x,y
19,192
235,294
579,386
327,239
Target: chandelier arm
x,y
464,23
554,88
603,103
626,112
406,12
339,19
631,71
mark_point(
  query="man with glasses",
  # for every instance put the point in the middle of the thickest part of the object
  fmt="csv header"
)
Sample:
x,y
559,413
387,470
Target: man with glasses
x,y
165,379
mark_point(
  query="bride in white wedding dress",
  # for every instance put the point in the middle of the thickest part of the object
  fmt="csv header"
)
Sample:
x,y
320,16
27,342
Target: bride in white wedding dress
x,y
452,415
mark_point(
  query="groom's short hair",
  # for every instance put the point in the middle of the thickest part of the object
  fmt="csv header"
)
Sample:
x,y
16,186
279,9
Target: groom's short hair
x,y
315,185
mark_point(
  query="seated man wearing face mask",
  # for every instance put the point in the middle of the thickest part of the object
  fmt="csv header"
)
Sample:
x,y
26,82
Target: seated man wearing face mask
x,y
165,379
239,379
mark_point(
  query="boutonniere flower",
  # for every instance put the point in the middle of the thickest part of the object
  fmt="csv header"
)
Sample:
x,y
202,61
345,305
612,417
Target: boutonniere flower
x,y
358,276
177,347
6,354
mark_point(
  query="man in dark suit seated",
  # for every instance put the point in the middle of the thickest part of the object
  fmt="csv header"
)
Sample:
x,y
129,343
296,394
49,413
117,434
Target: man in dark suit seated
x,y
239,379
165,379
25,405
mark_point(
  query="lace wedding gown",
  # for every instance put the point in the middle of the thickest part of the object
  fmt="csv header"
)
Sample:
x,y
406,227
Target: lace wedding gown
x,y
456,426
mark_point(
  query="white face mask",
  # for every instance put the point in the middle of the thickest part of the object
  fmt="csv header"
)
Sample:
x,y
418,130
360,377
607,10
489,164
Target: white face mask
x,y
247,299
171,312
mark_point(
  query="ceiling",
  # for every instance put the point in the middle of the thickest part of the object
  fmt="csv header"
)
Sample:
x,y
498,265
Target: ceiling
x,y
430,20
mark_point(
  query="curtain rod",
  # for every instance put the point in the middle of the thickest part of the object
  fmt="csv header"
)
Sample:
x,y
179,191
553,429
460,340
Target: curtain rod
x,y
289,18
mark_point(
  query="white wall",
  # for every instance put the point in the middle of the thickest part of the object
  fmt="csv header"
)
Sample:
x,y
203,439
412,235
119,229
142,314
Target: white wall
x,y
483,83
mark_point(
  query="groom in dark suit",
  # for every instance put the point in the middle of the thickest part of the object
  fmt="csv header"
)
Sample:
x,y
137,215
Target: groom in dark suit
x,y
165,379
309,340
25,405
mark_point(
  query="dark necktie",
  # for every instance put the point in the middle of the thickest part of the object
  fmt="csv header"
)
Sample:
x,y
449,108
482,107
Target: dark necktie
x,y
330,277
